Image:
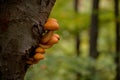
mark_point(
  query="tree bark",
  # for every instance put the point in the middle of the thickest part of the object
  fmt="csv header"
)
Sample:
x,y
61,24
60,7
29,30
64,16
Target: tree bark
x,y
21,26
94,30
117,59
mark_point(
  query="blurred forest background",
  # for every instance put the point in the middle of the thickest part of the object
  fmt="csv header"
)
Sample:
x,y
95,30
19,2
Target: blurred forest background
x,y
78,56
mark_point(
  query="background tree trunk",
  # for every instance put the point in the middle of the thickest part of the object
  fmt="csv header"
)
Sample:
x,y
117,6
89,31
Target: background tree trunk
x,y
77,38
21,24
94,29
117,59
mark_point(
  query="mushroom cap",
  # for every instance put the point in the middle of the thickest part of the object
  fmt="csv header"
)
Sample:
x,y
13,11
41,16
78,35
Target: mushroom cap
x,y
56,35
52,19
40,50
38,56
53,40
51,24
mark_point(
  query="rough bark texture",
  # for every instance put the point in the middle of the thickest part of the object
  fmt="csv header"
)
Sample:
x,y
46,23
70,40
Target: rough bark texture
x,y
94,30
21,25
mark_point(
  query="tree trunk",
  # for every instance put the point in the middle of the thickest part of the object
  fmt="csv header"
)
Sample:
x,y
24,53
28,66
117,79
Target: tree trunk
x,y
117,60
94,29
21,25
77,38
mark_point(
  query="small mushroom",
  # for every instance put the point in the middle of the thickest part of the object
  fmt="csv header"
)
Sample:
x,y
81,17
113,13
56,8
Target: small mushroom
x,y
38,56
52,19
56,35
40,50
51,24
53,40
45,46
46,37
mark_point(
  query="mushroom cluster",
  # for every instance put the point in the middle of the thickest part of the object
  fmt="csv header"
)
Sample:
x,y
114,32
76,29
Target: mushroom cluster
x,y
48,39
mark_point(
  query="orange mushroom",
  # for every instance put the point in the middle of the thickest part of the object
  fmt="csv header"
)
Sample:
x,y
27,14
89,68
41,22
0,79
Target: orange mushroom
x,y
51,24
56,35
53,40
45,46
52,19
46,37
40,50
47,41
38,56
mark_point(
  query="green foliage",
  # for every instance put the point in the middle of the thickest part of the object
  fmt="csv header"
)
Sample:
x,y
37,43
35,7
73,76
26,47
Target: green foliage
x,y
61,62
65,68
69,20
